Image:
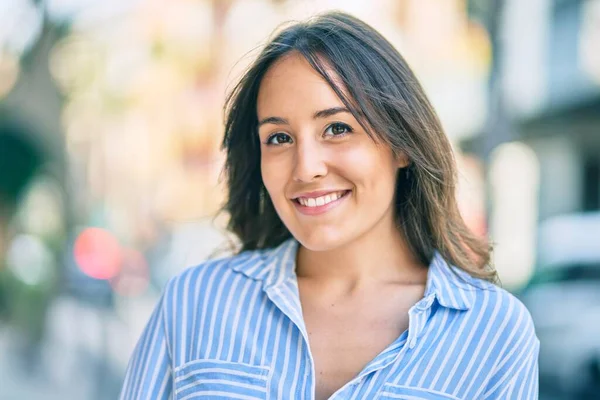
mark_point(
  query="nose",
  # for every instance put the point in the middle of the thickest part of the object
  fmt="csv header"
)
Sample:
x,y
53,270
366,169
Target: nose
x,y
309,161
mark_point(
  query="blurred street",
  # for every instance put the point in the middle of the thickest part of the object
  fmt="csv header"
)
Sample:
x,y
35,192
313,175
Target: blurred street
x,y
84,353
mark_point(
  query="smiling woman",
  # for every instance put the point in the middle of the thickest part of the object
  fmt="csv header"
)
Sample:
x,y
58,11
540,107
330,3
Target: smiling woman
x,y
313,147
357,277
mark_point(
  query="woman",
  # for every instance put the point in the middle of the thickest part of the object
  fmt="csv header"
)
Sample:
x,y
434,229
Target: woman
x,y
357,277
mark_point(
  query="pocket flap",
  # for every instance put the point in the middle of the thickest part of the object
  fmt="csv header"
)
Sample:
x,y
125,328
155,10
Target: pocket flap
x,y
391,391
216,379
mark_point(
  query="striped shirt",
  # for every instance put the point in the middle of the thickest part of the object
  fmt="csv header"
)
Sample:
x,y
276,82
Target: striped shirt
x,y
233,329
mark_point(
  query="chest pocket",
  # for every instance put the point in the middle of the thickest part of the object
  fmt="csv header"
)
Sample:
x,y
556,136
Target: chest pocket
x,y
391,391
218,380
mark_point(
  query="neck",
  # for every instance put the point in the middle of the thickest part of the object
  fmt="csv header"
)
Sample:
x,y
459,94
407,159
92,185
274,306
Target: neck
x,y
375,258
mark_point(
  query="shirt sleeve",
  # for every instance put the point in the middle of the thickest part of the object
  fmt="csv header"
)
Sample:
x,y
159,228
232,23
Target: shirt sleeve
x,y
516,376
149,374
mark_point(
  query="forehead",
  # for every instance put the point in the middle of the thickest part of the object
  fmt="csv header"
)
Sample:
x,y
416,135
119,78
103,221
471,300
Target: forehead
x,y
293,86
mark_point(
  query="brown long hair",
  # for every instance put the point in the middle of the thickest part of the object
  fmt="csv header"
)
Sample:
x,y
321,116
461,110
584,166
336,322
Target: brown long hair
x,y
376,84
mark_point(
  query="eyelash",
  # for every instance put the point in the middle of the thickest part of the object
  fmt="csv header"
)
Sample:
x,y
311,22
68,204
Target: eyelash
x,y
338,124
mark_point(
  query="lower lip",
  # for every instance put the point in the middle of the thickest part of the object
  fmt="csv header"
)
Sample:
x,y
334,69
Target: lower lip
x,y
321,209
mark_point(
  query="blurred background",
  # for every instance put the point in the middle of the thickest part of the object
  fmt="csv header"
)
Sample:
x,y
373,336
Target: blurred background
x,y
110,125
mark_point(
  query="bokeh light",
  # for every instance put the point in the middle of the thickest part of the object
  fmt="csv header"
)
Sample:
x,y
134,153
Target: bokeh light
x,y
21,25
98,253
30,260
514,174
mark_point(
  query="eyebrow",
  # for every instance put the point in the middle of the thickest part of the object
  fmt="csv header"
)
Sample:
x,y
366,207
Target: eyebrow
x,y
328,112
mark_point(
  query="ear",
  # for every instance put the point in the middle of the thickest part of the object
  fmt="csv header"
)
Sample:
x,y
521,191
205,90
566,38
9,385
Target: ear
x,y
401,159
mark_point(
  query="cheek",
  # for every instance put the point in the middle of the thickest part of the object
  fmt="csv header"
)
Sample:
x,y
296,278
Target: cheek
x,y
274,175
368,167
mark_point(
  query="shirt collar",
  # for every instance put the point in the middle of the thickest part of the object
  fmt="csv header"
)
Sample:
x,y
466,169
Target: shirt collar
x,y
451,286
272,266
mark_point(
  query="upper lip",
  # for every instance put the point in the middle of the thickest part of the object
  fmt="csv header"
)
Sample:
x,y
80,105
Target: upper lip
x,y
317,193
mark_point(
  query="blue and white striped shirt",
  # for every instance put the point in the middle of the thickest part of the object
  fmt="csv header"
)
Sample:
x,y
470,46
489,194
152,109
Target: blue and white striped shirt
x,y
233,329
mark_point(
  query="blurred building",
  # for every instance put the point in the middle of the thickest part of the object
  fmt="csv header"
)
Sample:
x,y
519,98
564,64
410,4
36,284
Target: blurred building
x,y
541,143
552,89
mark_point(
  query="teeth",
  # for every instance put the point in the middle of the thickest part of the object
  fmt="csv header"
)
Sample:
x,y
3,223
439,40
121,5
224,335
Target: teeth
x,y
320,201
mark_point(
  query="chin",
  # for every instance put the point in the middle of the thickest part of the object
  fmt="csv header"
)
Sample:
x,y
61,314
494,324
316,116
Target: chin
x,y
322,239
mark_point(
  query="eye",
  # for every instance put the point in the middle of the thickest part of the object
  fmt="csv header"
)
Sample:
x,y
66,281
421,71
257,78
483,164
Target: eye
x,y
338,129
278,138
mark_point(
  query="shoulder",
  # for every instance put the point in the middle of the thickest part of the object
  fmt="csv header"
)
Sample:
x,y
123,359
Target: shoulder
x,y
484,303
502,313
231,266
203,278
505,339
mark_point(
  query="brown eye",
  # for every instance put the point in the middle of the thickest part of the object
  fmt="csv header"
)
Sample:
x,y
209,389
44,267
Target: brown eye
x,y
338,129
279,138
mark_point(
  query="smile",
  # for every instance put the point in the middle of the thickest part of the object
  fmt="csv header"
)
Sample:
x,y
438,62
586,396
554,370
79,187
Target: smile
x,y
321,204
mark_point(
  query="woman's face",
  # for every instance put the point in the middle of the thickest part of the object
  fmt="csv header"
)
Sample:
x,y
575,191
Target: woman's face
x,y
329,181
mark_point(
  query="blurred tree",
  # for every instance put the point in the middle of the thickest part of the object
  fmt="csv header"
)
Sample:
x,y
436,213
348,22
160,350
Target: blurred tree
x,y
30,141
22,304
19,159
